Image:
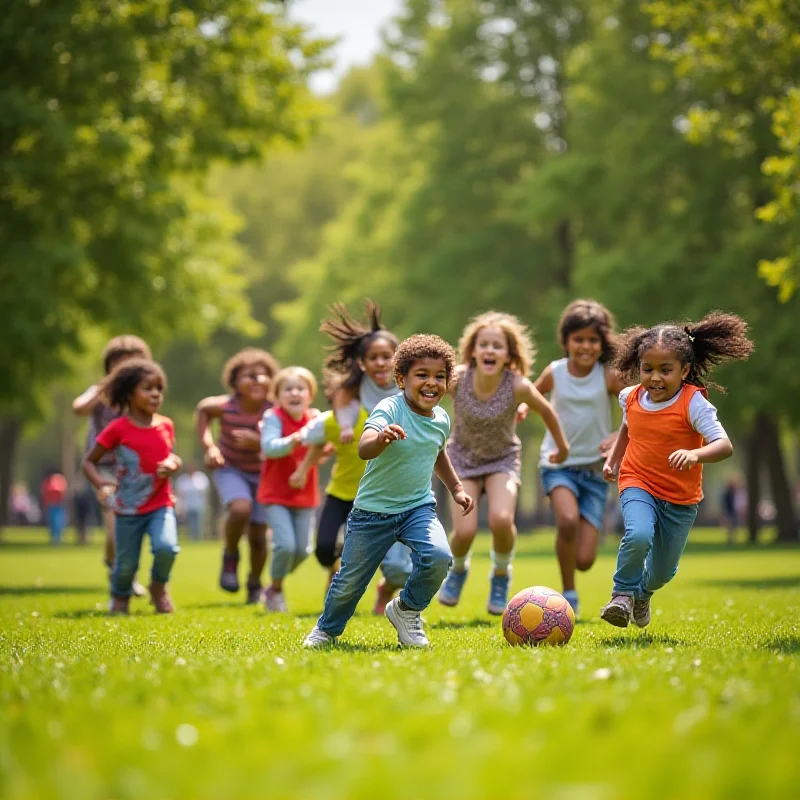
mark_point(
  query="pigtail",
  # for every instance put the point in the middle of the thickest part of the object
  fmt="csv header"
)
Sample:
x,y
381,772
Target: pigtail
x,y
716,338
628,349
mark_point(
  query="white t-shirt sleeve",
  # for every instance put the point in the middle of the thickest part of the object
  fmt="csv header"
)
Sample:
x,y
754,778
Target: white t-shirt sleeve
x,y
314,432
623,402
703,418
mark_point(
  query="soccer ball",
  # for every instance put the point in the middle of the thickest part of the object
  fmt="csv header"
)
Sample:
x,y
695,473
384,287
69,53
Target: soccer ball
x,y
538,615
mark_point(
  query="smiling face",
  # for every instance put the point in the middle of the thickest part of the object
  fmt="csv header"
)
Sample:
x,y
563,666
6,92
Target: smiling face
x,y
491,353
294,396
662,373
148,395
377,362
252,382
584,347
425,385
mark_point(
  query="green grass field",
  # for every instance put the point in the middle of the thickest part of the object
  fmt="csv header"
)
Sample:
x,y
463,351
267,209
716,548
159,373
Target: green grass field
x,y
219,700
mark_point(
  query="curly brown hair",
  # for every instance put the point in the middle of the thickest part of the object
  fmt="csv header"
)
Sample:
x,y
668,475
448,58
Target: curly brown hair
x,y
126,346
581,314
351,340
521,350
120,385
703,345
249,357
424,345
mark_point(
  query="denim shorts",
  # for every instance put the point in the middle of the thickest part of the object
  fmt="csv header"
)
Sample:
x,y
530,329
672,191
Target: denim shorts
x,y
589,487
234,484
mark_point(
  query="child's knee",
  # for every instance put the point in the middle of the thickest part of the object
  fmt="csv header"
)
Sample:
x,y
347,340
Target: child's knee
x,y
584,563
501,521
396,572
567,524
240,509
439,559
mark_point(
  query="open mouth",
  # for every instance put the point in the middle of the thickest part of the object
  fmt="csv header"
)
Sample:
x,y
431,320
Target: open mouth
x,y
428,394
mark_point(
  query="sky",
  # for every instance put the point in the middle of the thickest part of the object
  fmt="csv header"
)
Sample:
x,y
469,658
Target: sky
x,y
356,22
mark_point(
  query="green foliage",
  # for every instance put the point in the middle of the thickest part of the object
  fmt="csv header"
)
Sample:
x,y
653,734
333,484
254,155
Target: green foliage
x,y
742,64
110,113
220,698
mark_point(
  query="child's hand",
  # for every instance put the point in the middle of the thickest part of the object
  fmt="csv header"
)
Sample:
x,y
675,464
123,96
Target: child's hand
x,y
610,471
391,433
683,459
245,436
462,499
607,444
105,494
346,435
169,466
327,451
522,412
214,458
557,456
297,480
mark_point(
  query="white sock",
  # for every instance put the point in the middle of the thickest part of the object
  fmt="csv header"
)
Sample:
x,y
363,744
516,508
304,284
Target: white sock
x,y
461,563
502,561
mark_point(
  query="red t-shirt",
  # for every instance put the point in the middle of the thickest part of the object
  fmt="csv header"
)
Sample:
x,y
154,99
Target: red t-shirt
x,y
54,490
138,451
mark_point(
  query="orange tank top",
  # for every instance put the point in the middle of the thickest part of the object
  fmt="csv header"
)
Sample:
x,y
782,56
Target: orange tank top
x,y
653,436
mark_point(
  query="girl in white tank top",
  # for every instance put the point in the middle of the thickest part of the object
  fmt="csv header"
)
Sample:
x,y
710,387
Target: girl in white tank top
x,y
579,387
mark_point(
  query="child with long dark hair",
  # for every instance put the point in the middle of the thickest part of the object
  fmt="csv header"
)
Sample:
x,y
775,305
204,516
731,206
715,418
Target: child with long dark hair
x,y
669,431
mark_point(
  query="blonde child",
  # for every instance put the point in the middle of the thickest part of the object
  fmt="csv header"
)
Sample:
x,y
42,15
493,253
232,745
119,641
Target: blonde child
x,y
91,403
496,356
579,387
236,460
289,509
142,442
669,431
405,441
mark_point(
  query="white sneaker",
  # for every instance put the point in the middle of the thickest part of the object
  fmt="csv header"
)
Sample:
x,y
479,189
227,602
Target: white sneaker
x,y
317,639
274,600
408,625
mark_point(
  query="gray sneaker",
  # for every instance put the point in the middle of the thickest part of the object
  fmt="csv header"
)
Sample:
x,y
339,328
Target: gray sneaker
x,y
318,639
641,611
228,577
618,610
274,600
407,623
450,593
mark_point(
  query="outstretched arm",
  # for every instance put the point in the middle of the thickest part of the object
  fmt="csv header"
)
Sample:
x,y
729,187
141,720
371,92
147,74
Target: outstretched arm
x,y
297,480
83,404
526,392
206,410
444,471
611,467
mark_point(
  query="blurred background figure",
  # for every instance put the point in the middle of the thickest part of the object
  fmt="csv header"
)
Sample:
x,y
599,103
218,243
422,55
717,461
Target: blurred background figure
x,y
733,501
24,509
54,497
84,509
192,490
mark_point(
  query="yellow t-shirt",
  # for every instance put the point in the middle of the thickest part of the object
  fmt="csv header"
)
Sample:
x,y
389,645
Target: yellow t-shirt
x,y
349,468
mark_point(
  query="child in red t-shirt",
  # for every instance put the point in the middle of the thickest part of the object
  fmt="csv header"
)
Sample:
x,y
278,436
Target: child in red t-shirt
x,y
290,511
142,442
54,498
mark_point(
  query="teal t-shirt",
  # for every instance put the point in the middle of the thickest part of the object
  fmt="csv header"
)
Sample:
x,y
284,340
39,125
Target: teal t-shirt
x,y
399,479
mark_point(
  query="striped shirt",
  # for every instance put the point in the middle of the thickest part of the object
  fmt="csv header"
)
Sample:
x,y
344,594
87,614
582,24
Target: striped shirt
x,y
232,418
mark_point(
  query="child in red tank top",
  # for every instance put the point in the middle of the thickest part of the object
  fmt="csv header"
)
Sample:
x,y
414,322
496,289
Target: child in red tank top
x,y
290,511
669,430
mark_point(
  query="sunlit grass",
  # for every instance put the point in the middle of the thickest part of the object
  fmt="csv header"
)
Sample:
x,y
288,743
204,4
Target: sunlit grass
x,y
220,701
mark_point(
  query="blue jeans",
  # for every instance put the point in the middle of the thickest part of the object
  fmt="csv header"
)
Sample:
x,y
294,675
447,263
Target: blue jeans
x,y
655,535
589,488
129,532
291,538
367,540
56,520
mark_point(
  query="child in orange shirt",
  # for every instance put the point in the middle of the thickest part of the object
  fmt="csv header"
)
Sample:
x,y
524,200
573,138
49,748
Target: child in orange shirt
x,y
669,431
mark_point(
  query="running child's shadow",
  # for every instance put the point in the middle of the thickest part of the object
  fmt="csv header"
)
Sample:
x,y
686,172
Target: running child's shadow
x,y
642,641
449,624
23,591
784,644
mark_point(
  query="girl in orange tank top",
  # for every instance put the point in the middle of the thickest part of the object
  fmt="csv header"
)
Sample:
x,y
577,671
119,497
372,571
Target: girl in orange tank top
x,y
669,430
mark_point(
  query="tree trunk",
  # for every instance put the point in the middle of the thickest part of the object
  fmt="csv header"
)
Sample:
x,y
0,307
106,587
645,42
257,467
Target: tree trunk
x,y
752,462
10,429
566,253
779,482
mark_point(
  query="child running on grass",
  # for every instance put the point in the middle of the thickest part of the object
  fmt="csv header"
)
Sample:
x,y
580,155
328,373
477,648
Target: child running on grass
x,y
236,460
289,508
142,442
91,404
669,430
579,386
496,356
405,441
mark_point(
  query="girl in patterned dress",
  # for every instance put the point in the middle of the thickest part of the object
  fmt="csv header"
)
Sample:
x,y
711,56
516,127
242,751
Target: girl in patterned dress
x,y
496,356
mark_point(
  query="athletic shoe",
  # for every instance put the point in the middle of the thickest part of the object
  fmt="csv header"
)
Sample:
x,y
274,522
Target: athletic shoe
x,y
571,596
137,589
159,597
641,611
384,595
118,605
498,593
450,593
318,639
254,592
618,610
229,578
274,600
407,623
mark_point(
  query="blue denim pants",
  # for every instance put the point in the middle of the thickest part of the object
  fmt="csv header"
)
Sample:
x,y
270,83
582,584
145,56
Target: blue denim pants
x,y
367,540
129,532
655,536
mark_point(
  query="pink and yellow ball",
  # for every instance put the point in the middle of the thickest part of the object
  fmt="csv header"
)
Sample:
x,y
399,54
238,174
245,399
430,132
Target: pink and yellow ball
x,y
538,615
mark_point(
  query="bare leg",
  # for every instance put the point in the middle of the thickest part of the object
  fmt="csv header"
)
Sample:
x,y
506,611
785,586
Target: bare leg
x,y
501,492
586,552
257,536
565,506
238,517
464,528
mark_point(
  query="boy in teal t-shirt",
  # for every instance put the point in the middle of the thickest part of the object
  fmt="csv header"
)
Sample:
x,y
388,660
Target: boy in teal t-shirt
x,y
404,440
